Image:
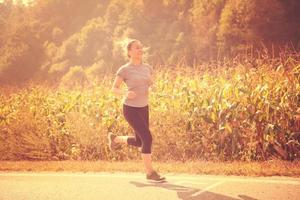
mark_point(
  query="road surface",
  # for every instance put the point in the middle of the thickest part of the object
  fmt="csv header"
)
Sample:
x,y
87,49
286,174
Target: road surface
x,y
132,186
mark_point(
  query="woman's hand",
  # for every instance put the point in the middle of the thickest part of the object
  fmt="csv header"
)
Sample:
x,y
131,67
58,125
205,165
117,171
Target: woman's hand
x,y
131,95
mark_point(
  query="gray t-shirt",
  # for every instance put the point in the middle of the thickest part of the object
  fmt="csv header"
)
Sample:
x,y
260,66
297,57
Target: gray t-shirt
x,y
138,80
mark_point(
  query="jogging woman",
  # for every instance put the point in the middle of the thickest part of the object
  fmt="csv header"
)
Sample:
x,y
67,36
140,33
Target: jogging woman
x,y
137,77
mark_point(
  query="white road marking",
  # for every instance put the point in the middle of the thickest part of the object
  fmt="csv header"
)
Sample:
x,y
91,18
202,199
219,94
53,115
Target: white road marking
x,y
189,182
208,188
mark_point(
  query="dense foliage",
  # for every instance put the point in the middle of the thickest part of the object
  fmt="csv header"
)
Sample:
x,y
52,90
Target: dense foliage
x,y
47,38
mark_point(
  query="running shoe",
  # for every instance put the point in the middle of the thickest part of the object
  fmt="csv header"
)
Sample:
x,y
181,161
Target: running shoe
x,y
155,177
111,142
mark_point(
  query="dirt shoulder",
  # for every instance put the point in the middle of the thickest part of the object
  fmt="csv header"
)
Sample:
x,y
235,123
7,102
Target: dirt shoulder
x,y
268,168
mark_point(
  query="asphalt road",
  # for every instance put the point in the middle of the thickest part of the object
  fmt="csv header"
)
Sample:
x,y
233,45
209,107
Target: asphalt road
x,y
132,186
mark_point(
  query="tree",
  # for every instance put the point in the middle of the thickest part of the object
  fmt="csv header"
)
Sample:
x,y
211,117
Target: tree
x,y
292,20
249,22
205,15
21,53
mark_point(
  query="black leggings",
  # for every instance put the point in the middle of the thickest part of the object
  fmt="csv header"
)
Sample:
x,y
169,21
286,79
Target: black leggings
x,y
138,119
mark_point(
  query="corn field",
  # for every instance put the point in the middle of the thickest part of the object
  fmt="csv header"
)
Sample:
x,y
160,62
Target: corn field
x,y
220,111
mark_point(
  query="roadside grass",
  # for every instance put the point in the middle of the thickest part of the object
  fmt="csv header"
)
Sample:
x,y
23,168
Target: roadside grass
x,y
267,168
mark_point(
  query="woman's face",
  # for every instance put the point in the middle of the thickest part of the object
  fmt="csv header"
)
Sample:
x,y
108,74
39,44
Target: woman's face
x,y
136,50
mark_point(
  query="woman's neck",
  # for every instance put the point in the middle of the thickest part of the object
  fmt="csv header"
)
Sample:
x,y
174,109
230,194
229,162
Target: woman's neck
x,y
135,61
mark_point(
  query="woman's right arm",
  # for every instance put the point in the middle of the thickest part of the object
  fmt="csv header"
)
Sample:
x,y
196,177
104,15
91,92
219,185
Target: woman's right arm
x,y
116,86
118,91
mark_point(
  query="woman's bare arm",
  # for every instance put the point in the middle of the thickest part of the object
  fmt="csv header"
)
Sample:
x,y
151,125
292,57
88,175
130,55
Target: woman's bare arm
x,y
116,88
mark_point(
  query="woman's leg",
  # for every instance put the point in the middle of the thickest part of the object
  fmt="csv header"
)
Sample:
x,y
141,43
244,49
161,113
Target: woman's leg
x,y
138,119
130,140
147,157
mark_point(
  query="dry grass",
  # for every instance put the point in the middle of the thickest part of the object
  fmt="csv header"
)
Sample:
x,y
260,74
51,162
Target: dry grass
x,y
268,168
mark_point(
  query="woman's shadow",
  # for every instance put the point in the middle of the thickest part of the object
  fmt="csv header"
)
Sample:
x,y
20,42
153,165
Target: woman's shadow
x,y
190,193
